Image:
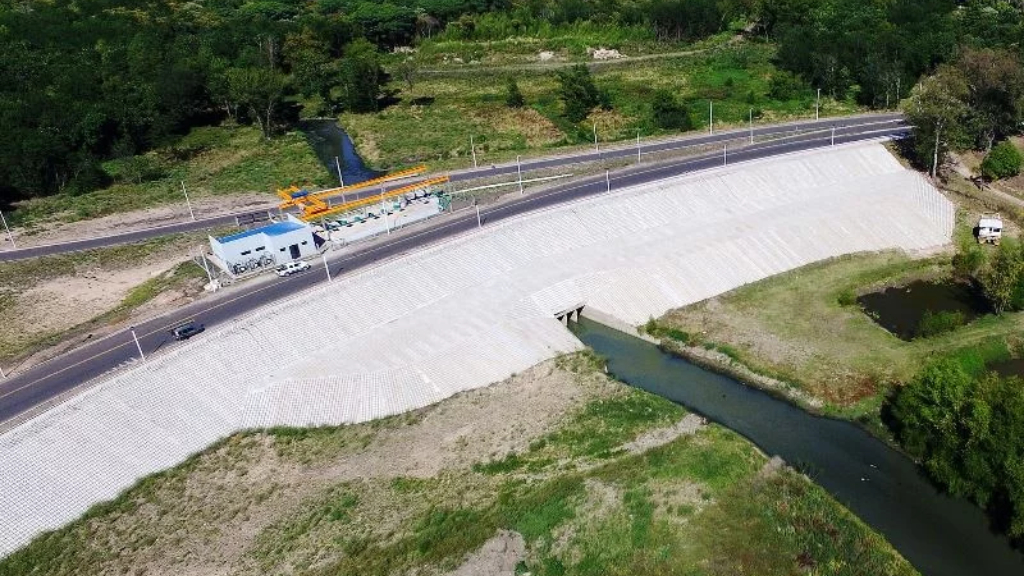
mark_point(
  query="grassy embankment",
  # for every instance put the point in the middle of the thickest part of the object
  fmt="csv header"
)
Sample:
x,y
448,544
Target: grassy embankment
x,y
212,161
805,328
344,501
32,287
434,120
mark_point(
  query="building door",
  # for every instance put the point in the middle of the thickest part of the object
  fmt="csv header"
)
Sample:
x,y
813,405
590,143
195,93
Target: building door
x,y
294,248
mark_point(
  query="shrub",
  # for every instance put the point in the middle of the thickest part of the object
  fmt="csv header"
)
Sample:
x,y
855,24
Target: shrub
x,y
847,297
513,97
1003,161
933,324
668,113
785,85
577,91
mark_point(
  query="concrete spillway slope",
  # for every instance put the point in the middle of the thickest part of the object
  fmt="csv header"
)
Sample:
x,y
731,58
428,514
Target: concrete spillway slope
x,y
460,315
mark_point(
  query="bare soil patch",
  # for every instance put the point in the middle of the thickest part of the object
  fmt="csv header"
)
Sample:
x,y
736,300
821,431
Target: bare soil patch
x,y
207,207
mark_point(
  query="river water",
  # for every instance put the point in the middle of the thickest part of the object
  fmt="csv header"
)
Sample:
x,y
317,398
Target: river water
x,y
329,142
939,535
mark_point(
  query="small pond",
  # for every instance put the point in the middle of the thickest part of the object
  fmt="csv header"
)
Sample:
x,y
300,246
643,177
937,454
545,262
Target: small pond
x,y
902,309
1006,368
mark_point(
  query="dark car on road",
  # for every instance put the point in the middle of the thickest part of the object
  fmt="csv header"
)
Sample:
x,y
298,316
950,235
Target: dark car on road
x,y
187,330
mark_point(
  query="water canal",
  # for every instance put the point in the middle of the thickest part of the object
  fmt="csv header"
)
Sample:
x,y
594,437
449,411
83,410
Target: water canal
x,y
939,535
329,142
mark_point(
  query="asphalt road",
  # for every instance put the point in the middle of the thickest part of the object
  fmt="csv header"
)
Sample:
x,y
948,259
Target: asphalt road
x,y
617,151
39,384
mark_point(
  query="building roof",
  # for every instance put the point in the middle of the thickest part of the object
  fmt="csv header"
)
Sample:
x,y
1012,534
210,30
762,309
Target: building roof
x,y
275,229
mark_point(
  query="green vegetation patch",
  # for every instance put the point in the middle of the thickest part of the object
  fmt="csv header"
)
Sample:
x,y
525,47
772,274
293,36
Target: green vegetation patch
x,y
701,504
212,161
800,327
448,109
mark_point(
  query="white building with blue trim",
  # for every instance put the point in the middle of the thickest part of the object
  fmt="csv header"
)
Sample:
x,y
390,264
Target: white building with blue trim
x,y
270,245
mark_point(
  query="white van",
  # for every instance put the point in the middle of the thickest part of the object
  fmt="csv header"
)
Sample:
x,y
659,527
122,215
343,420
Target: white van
x,y
291,268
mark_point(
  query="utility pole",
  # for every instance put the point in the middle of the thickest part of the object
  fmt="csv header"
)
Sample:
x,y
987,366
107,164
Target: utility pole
x,y
206,267
751,125
472,148
384,210
326,267
9,235
189,204
341,179
711,116
637,146
137,345
519,171
817,104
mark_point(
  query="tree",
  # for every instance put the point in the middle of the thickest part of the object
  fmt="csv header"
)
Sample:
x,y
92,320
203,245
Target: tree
x,y
1003,282
513,97
261,91
577,91
406,69
937,107
1003,161
362,77
314,71
668,113
995,81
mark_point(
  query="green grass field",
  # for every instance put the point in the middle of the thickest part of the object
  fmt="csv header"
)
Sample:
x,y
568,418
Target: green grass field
x,y
702,504
212,161
802,328
434,120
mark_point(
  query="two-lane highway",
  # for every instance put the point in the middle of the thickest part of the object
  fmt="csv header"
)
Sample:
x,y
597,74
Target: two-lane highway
x,y
842,126
41,383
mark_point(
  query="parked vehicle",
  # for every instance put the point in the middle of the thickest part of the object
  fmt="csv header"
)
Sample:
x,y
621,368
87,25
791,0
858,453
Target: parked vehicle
x,y
291,268
187,330
990,229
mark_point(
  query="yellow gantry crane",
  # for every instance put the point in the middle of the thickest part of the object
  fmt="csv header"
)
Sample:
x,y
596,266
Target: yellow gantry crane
x,y
313,204
311,211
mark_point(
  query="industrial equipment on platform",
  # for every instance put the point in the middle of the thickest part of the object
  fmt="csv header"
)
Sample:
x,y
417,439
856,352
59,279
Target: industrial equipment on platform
x,y
266,246
990,229
317,205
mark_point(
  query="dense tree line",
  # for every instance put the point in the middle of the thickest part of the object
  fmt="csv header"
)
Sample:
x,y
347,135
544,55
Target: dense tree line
x,y
967,428
90,80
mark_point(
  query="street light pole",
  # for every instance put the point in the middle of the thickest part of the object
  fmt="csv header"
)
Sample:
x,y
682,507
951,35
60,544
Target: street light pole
x,y
479,223
206,267
711,116
137,345
187,202
9,235
384,210
637,146
833,134
725,154
751,125
607,181
472,148
596,149
519,171
817,104
326,267
341,179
